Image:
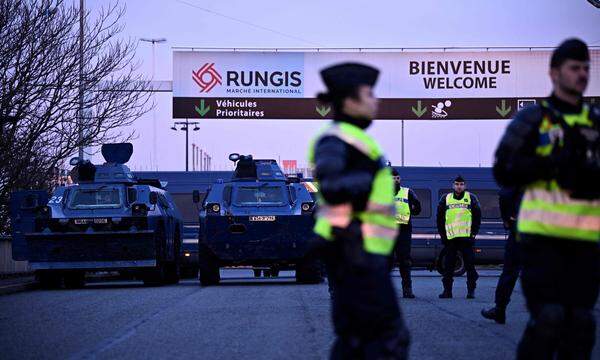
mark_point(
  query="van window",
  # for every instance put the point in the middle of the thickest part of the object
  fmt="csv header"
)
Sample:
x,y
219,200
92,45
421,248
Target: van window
x,y
488,200
424,196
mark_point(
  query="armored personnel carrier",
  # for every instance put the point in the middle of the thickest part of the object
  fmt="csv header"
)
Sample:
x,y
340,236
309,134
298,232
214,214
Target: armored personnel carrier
x,y
108,220
257,218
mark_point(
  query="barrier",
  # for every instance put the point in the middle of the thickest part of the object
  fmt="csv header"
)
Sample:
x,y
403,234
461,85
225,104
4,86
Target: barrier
x,y
7,264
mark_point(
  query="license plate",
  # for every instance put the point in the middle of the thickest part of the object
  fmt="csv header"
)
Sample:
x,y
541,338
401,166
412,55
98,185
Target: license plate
x,y
90,221
263,218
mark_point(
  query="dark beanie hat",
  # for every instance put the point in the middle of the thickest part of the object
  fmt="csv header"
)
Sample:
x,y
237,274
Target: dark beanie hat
x,y
459,179
574,49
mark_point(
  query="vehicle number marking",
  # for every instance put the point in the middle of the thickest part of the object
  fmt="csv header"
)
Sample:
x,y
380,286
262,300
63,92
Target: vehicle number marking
x,y
262,218
55,200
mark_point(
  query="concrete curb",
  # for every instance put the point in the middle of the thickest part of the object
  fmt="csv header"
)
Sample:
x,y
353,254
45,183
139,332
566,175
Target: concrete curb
x,y
16,284
18,287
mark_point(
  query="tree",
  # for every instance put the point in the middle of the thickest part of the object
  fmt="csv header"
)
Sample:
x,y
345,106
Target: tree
x,y
40,77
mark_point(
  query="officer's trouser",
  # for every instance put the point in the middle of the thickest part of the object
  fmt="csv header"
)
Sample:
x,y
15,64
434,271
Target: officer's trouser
x,y
366,315
510,271
402,252
560,280
465,246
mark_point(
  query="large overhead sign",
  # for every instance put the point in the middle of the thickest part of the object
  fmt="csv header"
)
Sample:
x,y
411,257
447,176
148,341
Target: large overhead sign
x,y
412,85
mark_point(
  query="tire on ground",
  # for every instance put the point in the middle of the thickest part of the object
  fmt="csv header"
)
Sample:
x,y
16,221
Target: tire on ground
x,y
459,269
173,267
75,279
208,267
49,279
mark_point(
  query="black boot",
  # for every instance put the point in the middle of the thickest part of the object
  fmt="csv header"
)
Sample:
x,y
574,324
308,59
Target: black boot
x,y
447,294
497,314
471,293
407,291
471,285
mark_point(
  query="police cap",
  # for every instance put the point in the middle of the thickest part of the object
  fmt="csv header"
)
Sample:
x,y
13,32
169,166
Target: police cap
x,y
342,79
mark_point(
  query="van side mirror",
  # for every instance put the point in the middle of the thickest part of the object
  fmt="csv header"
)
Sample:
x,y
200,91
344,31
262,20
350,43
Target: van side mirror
x,y
131,195
153,198
196,196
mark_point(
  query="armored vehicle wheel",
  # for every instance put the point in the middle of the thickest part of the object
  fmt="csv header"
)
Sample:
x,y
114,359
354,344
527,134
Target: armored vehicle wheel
x,y
49,279
155,276
173,269
459,268
209,275
257,272
308,271
172,273
75,280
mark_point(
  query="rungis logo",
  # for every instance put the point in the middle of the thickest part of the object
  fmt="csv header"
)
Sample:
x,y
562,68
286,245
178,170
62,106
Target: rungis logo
x,y
207,77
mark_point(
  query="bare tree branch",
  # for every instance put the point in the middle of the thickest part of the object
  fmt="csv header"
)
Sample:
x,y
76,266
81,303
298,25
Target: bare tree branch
x,y
39,89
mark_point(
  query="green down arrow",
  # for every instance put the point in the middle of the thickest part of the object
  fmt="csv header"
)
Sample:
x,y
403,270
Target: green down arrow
x,y
419,111
323,111
503,111
202,110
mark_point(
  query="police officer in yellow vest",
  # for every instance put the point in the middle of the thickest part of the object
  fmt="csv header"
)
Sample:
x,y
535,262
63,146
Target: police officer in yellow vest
x,y
355,220
458,222
407,204
552,150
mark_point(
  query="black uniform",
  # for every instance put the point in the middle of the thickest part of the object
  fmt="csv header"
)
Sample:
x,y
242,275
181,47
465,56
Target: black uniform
x,y
464,245
365,310
366,314
404,242
509,199
560,278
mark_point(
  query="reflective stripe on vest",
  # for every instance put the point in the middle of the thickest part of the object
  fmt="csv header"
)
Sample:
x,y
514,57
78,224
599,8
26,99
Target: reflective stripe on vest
x,y
459,217
402,206
547,209
378,226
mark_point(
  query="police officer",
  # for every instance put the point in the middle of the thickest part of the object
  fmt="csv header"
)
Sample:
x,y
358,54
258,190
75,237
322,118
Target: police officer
x,y
355,220
552,150
458,221
510,199
407,204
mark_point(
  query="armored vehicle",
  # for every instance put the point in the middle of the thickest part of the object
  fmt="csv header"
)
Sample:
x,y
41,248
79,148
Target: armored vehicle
x,y
107,220
257,218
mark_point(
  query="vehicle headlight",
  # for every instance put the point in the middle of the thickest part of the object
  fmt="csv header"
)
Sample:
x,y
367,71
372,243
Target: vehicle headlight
x,y
139,210
216,208
306,206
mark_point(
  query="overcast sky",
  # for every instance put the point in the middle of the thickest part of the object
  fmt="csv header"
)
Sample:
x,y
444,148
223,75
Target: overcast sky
x,y
354,24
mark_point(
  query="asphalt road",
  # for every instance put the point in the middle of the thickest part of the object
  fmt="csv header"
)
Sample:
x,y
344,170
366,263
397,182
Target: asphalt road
x,y
242,318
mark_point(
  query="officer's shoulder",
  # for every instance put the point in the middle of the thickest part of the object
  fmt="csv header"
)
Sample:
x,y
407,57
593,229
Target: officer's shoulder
x,y
531,114
328,140
594,111
525,121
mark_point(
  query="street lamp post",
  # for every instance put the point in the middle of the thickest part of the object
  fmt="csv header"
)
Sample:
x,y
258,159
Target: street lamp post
x,y
193,157
80,125
185,125
154,41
